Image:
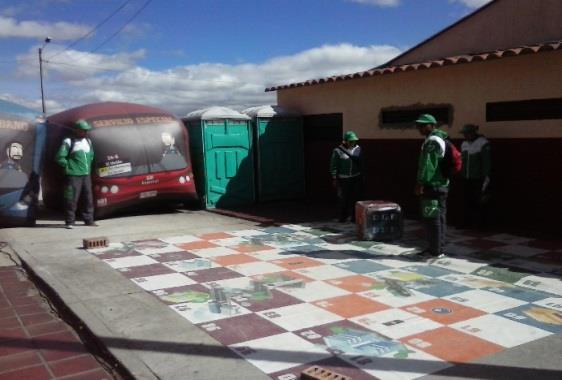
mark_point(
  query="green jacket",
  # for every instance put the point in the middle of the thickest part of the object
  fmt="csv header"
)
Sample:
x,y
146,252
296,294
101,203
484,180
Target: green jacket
x,y
431,159
476,160
79,161
345,163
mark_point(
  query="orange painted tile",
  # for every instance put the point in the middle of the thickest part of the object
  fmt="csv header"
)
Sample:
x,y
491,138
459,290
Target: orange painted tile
x,y
250,248
297,262
233,259
356,283
351,305
443,311
215,236
452,345
196,245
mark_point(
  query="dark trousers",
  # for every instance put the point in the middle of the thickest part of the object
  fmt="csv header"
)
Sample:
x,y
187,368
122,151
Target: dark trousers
x,y
436,228
350,190
74,187
474,211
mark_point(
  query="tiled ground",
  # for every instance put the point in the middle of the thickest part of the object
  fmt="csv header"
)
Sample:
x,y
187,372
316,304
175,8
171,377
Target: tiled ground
x,y
35,343
287,297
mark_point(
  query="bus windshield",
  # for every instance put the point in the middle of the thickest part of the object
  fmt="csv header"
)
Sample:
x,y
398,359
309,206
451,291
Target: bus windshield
x,y
130,150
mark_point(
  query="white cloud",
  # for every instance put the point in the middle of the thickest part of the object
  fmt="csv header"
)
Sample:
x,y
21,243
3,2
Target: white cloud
x,y
10,27
185,88
378,3
472,4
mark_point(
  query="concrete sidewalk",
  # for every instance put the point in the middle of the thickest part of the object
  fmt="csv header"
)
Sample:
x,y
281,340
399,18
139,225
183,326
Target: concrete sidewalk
x,y
155,342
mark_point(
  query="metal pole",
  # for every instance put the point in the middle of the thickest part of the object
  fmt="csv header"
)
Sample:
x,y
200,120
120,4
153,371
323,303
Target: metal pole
x,y
41,79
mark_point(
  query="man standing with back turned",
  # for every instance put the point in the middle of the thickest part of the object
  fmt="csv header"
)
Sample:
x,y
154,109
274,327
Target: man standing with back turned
x,y
432,185
75,156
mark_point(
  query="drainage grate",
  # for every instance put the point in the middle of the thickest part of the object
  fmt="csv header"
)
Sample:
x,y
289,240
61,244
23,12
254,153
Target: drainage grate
x,y
319,373
97,242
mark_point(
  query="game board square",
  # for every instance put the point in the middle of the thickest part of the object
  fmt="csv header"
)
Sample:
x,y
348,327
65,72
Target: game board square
x,y
279,352
164,248
443,311
452,345
235,259
324,272
533,315
554,303
502,272
534,266
270,255
175,240
299,316
314,291
214,252
145,270
212,274
292,263
130,261
542,283
304,249
362,266
196,245
318,334
173,256
240,329
215,236
485,301
335,257
251,248
392,249
190,265
162,281
499,330
357,283
183,294
350,305
117,253
247,233
208,311
333,364
517,292
395,323
395,294
256,268
429,270
472,281
436,287
270,299
459,264
233,241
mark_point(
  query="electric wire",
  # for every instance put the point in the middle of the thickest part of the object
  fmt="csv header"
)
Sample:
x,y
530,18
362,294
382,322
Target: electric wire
x,y
100,24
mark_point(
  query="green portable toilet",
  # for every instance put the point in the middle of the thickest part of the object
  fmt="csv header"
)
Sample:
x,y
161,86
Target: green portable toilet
x,y
221,149
279,145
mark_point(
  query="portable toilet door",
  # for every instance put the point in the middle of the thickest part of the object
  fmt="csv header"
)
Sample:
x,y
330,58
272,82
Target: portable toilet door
x,y
221,143
280,153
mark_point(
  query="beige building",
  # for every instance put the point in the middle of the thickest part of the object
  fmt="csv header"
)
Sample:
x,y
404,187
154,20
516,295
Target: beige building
x,y
500,68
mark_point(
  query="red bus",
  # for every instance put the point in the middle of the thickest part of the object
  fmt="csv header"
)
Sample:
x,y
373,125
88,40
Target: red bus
x,y
141,153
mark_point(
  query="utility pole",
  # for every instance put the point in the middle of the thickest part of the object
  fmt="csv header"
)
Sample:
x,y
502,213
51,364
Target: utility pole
x,y
47,40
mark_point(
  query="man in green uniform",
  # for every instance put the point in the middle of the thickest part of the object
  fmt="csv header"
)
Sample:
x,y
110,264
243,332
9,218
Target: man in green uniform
x,y
75,156
475,172
432,185
345,169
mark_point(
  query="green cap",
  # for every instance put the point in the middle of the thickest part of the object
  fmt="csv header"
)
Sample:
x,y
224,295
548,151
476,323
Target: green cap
x,y
350,136
469,128
83,125
426,119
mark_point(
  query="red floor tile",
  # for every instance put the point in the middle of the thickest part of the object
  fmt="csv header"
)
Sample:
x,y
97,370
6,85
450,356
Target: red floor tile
x,y
7,313
74,366
18,361
98,374
59,346
34,319
9,323
23,301
31,309
47,328
9,334
33,373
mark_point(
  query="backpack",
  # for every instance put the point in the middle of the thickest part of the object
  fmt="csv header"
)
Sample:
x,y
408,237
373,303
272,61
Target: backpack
x,y
452,161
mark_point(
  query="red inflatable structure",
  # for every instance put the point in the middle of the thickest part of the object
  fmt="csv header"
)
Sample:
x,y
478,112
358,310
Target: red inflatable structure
x,y
141,153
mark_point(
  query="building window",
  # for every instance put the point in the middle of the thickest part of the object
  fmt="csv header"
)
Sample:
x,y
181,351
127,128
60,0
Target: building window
x,y
535,109
404,117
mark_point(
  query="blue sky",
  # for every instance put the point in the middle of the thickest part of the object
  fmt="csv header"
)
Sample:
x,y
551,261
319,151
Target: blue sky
x,y
182,55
